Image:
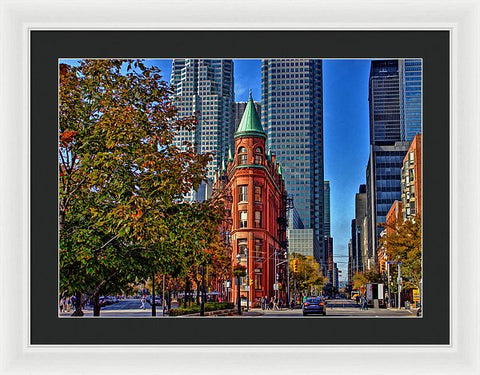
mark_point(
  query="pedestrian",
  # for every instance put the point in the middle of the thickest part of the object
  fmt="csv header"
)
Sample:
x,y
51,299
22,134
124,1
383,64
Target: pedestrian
x,y
275,303
262,303
292,304
60,305
280,303
364,303
143,303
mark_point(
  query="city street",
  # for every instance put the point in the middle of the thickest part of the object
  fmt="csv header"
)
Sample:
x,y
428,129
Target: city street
x,y
337,308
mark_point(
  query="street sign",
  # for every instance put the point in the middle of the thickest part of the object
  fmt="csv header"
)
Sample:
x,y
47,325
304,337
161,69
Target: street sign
x,y
416,295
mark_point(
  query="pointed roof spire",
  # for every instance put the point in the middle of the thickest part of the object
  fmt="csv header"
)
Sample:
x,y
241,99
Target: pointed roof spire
x,y
230,156
250,124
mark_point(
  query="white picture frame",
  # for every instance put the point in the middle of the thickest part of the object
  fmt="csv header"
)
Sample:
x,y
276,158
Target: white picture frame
x,y
462,18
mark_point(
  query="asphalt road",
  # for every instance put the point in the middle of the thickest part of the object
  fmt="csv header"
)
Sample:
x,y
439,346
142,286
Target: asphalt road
x,y
336,308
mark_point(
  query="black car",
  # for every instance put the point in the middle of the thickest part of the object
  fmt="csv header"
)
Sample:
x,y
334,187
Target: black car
x,y
314,305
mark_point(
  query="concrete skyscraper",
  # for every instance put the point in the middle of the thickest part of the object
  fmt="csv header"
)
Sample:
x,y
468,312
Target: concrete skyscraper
x,y
292,114
205,88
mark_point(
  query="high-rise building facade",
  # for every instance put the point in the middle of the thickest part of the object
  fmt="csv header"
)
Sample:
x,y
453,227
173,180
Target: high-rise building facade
x,y
410,72
204,88
356,228
326,208
395,102
383,188
292,113
384,102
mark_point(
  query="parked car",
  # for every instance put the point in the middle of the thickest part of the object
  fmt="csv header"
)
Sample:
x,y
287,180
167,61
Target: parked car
x,y
314,305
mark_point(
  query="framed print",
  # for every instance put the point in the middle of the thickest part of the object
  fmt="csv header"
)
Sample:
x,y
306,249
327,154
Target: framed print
x,y
443,337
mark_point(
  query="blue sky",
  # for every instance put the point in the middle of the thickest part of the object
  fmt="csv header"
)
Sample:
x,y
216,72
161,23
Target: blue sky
x,y
346,138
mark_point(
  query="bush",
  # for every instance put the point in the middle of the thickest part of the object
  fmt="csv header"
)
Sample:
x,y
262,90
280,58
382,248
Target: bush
x,y
209,306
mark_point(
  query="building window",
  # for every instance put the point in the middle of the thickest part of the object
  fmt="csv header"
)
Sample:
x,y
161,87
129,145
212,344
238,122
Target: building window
x,y
258,249
258,281
242,249
258,156
242,156
258,219
258,193
243,219
242,193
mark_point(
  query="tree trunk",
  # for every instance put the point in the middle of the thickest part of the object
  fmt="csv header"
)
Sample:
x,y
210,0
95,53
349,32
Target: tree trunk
x,y
186,293
96,304
78,305
197,298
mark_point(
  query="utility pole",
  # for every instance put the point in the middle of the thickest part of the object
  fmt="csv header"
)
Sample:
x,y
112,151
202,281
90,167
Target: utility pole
x,y
248,279
154,307
399,280
163,295
276,277
388,285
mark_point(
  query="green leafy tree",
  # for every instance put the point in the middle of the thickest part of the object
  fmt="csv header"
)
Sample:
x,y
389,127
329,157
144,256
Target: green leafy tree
x,y
403,243
308,276
120,174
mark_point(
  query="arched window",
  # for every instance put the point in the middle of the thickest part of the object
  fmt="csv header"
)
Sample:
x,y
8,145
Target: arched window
x,y
242,156
258,155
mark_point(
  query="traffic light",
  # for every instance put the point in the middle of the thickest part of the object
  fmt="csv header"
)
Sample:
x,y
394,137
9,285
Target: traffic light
x,y
295,265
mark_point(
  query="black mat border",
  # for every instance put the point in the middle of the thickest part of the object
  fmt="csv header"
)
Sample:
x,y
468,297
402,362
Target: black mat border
x,y
48,46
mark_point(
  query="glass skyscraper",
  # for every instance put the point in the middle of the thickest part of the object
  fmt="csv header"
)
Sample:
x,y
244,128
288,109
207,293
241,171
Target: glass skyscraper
x,y
395,98
205,88
410,72
326,209
384,100
384,173
292,114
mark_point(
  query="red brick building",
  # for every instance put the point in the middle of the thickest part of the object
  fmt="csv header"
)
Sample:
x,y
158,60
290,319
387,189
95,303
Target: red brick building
x,y
256,209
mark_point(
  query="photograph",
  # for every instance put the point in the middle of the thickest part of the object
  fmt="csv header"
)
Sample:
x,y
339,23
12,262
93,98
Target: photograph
x,y
237,188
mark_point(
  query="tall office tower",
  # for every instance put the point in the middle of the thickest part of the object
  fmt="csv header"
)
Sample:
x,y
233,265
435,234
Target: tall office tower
x,y
326,208
384,100
205,88
410,72
357,227
383,188
292,113
240,108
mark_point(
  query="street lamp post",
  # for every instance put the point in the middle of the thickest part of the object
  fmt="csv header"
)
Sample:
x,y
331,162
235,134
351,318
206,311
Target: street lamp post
x,y
276,276
239,307
247,278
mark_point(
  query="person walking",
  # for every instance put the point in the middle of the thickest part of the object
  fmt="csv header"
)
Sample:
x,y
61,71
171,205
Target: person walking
x,y
267,303
262,303
142,306
364,303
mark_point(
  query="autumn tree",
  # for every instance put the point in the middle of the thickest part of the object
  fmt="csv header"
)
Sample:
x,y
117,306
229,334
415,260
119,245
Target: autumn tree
x,y
120,173
308,276
403,243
